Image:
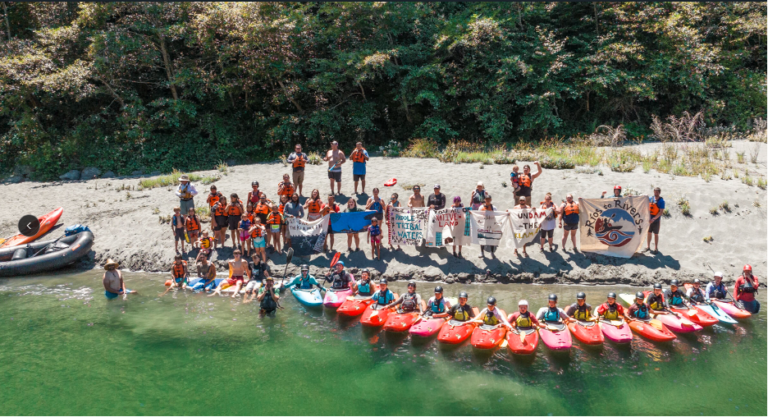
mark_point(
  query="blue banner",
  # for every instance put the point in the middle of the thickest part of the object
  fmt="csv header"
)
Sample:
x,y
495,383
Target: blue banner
x,y
350,222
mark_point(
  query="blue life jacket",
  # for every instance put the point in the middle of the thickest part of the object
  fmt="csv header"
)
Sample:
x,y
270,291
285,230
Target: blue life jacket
x,y
642,312
364,288
437,307
552,315
383,298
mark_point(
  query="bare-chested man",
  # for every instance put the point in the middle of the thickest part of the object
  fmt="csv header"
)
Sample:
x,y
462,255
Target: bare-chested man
x,y
335,158
239,268
114,286
416,200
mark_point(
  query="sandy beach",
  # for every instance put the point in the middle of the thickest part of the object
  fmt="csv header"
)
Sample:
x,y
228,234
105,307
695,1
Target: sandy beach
x,y
128,230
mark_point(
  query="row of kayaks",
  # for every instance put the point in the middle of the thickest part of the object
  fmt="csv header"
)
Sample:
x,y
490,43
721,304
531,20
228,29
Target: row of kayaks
x,y
555,336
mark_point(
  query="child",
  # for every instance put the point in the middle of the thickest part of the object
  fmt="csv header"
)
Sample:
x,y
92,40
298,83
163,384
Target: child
x,y
179,274
193,228
243,228
514,178
177,226
374,234
275,224
205,244
257,234
219,222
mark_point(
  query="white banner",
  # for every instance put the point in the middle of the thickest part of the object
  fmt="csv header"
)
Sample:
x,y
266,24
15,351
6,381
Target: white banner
x,y
408,225
449,226
307,237
487,227
613,226
524,224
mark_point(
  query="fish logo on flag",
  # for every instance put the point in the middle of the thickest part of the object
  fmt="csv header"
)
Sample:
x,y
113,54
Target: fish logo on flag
x,y
613,226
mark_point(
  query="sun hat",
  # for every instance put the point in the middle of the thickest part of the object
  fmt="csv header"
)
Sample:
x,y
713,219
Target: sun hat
x,y
184,178
110,263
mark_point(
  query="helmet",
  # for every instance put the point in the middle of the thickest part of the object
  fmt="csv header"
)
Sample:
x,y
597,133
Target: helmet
x,y
463,295
412,284
581,296
696,281
552,297
657,286
522,303
255,184
439,289
305,267
675,282
748,268
491,301
618,187
639,295
365,271
383,281
340,263
612,295
718,274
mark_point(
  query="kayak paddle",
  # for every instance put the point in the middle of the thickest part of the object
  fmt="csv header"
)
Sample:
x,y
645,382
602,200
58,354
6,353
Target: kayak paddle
x,y
335,259
288,257
658,325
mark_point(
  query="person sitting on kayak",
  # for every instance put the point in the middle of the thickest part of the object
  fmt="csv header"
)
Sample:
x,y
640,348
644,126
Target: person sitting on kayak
x,y
238,268
523,319
340,278
639,310
383,297
364,286
409,301
716,289
656,301
179,275
461,311
610,309
304,281
695,294
580,310
268,298
259,271
438,306
552,313
206,271
745,288
675,297
491,316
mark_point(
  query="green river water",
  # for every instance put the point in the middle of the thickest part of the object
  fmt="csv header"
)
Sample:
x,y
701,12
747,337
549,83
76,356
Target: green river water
x,y
65,350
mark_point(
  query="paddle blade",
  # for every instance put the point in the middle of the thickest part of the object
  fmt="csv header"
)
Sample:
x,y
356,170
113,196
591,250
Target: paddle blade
x,y
350,298
2,241
522,337
691,312
289,256
335,259
616,323
657,324
504,343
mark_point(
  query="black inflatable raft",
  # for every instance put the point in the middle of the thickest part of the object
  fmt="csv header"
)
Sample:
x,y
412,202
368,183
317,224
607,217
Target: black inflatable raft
x,y
44,256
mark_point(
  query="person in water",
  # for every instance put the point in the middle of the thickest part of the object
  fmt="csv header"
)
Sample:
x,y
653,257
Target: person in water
x,y
461,311
238,268
610,309
580,310
259,271
410,301
114,286
674,297
179,274
305,281
339,278
383,297
656,301
639,310
745,288
268,298
552,313
695,294
491,316
522,319
206,271
438,306
364,286
716,289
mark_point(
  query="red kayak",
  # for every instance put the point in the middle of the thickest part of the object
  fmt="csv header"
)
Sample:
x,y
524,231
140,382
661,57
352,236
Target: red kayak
x,y
657,333
454,332
375,316
356,305
699,317
391,182
587,332
401,322
525,346
46,223
488,337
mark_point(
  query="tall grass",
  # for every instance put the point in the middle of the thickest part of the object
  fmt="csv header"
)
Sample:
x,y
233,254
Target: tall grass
x,y
173,179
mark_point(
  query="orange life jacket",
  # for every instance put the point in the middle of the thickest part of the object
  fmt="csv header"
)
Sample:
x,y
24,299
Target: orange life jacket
x,y
234,210
179,270
358,156
220,209
213,199
193,223
257,231
281,208
274,218
261,209
654,208
571,208
314,206
249,216
287,189
299,162
525,180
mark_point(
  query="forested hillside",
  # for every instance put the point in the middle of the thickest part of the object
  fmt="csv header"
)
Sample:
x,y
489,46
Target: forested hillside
x,y
156,86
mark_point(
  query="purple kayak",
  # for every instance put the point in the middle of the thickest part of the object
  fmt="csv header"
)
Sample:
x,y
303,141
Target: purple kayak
x,y
616,331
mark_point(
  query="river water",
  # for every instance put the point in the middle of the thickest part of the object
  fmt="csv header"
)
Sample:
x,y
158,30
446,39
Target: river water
x,y
65,349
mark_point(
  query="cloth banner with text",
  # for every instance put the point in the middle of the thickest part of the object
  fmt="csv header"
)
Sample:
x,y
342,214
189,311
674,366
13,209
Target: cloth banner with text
x,y
613,226
307,237
524,225
487,227
449,226
407,225
355,222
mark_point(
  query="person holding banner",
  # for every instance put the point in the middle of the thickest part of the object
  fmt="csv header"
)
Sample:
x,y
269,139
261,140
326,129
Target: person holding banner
x,y
478,196
457,204
657,208
436,200
393,203
616,192
298,160
352,208
329,208
416,200
376,204
524,206
488,206
569,212
335,159
547,230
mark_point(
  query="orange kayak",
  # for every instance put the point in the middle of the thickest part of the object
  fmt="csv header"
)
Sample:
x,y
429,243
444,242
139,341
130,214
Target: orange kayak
x,y
46,223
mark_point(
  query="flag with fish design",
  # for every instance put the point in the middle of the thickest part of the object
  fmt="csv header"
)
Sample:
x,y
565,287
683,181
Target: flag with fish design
x,y
613,226
307,237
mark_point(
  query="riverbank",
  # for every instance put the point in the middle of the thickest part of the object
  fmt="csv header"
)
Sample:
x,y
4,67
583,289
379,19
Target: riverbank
x,y
127,225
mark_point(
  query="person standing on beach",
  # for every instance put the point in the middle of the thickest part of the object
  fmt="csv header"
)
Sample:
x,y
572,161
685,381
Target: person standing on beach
x,y
285,188
478,196
488,206
436,200
186,193
352,208
359,157
254,195
569,212
657,208
616,192
193,228
376,204
522,206
331,207
335,159
526,181
457,204
114,286
178,226
547,230
213,196
219,211
416,200
393,203
314,206
298,161
234,212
